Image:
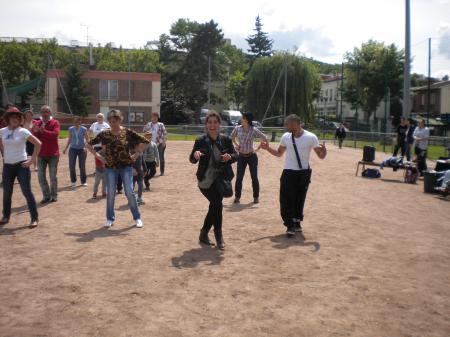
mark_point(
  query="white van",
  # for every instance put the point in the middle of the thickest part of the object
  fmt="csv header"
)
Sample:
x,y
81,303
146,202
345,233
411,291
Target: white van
x,y
231,117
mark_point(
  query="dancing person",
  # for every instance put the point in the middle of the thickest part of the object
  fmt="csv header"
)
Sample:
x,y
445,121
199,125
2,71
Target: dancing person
x,y
139,171
340,135
245,134
118,142
401,138
78,138
297,143
28,123
98,127
99,177
46,129
214,154
16,163
159,133
409,138
421,136
151,159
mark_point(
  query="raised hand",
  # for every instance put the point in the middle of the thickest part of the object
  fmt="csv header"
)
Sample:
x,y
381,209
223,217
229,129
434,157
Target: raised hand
x,y
198,155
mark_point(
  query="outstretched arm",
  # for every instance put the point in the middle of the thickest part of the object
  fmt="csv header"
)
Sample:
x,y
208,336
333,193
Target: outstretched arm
x,y
275,152
321,151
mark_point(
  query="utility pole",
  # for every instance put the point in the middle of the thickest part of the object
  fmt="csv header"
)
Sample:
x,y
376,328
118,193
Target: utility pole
x,y
285,85
87,34
129,90
429,82
407,68
341,96
357,95
209,80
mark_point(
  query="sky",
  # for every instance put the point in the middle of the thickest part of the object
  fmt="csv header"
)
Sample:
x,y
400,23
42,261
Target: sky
x,y
322,29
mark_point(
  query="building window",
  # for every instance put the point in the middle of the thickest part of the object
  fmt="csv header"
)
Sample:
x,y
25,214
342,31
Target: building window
x,y
136,117
433,98
331,95
109,89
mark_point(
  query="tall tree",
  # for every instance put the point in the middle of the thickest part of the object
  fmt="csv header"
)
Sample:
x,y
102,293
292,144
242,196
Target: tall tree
x,y
303,85
370,70
260,43
77,96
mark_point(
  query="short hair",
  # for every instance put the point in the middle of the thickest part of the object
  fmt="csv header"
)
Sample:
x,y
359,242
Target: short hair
x,y
213,114
12,111
293,118
116,114
46,107
100,115
76,118
248,116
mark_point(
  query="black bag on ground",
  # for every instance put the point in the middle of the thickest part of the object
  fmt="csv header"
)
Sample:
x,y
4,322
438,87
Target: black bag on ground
x,y
371,173
368,153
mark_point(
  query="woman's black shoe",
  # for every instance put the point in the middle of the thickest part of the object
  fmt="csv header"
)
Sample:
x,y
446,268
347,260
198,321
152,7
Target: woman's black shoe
x,y
204,239
45,201
4,221
219,240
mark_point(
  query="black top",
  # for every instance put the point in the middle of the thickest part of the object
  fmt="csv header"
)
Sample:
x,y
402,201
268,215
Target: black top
x,y
340,133
204,145
401,133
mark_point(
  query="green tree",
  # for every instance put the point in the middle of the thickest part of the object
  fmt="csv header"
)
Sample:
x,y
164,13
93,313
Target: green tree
x,y
236,88
369,71
260,44
182,33
77,96
303,81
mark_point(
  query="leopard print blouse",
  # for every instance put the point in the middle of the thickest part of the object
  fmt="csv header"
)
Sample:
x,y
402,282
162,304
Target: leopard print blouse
x,y
118,148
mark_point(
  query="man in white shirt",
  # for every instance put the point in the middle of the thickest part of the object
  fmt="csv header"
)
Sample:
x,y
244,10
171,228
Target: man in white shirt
x,y
159,136
297,143
98,127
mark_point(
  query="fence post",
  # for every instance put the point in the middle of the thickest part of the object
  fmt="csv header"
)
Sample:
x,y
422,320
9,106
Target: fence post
x,y
354,138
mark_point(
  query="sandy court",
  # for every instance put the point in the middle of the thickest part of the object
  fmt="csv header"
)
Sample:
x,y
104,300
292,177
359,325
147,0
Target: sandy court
x,y
375,262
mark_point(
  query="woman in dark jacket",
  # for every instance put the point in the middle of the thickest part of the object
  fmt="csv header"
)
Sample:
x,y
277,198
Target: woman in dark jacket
x,y
214,154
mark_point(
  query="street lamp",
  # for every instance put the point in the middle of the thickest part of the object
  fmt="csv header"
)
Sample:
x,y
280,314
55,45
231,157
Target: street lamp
x,y
87,33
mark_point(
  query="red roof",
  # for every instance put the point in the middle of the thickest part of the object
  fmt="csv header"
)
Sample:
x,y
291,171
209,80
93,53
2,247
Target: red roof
x,y
110,75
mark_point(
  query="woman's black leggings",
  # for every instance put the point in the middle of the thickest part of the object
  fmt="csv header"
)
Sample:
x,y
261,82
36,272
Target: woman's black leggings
x,y
214,215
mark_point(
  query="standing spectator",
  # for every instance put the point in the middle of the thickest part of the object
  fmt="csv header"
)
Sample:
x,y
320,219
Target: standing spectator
x,y
401,137
297,143
246,133
16,163
118,143
28,123
98,127
78,138
340,134
409,137
214,153
159,133
151,159
99,177
139,170
47,131
421,136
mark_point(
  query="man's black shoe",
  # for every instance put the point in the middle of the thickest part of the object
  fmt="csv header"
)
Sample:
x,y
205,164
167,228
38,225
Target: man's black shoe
x,y
45,201
54,200
298,227
290,232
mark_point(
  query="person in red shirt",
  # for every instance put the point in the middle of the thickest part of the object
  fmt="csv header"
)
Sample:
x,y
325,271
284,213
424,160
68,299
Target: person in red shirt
x,y
47,131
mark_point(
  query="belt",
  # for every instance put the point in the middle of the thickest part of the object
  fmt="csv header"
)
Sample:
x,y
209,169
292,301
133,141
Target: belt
x,y
246,155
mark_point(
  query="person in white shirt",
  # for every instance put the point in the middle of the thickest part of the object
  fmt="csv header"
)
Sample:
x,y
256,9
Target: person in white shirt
x,y
98,127
16,163
297,143
159,136
421,135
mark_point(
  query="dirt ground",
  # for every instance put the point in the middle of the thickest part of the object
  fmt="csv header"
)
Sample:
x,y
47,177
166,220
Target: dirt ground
x,y
375,262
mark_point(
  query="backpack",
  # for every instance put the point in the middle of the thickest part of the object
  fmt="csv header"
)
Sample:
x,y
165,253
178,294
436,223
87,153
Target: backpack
x,y
411,175
371,173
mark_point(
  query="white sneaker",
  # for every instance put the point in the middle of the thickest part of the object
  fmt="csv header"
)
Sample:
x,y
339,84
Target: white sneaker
x,y
84,185
108,224
139,223
73,185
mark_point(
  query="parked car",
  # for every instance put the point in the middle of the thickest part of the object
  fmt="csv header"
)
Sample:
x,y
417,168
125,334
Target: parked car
x,y
231,117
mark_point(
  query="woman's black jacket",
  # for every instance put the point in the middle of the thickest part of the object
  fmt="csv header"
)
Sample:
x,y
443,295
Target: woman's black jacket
x,y
204,145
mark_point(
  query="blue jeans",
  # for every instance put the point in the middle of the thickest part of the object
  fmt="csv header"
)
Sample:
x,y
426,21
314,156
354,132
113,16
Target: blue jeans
x,y
140,182
81,155
23,175
52,163
162,161
111,176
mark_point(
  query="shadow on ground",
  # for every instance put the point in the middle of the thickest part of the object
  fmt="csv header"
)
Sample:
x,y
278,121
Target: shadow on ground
x,y
99,233
192,258
283,242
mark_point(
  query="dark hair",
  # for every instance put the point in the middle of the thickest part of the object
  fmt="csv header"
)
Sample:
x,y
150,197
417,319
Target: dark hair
x,y
9,114
212,113
116,114
293,118
248,116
